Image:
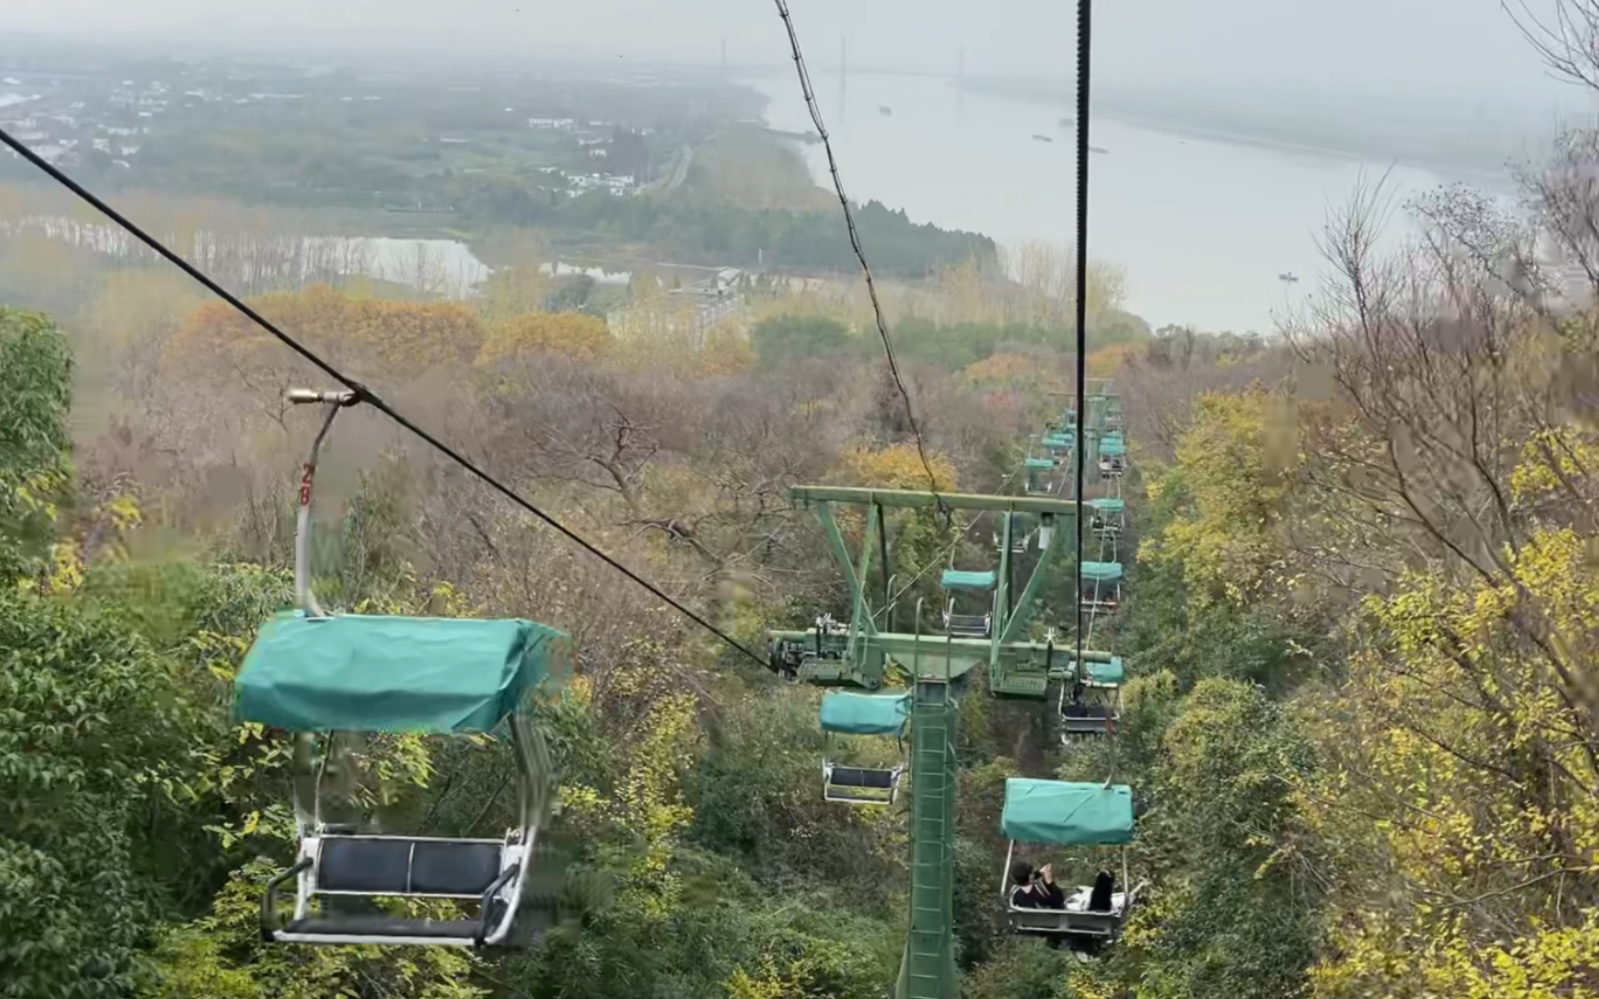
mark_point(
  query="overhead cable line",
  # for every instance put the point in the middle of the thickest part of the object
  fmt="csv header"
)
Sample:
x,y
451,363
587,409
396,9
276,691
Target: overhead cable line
x,y
1083,34
363,394
944,553
855,244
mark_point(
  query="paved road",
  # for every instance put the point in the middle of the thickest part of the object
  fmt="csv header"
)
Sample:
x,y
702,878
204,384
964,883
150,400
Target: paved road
x,y
685,159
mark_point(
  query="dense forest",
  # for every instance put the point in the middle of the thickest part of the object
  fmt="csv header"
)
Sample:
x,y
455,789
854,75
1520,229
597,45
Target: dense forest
x,y
462,158
1361,713
699,231
1358,629
148,554
700,225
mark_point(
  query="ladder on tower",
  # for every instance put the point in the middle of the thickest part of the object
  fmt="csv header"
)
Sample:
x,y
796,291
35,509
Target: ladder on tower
x,y
929,966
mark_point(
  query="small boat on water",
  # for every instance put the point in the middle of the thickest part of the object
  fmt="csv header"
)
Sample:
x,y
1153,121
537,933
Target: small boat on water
x,y
884,109
1042,138
1288,277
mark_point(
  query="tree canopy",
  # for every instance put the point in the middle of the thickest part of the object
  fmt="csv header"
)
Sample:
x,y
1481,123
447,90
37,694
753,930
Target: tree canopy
x,y
1361,613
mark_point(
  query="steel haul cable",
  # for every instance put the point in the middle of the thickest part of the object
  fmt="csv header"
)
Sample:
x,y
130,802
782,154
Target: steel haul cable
x,y
855,244
364,394
1083,33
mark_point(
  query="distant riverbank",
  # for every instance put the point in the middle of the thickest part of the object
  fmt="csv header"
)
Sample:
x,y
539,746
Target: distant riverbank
x,y
1203,222
807,137
1472,151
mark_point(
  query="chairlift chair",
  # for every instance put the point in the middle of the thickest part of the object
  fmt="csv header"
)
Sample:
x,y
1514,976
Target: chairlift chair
x,y
1018,541
956,581
309,671
1063,813
1091,700
1041,533
1041,479
1112,456
1106,578
1059,444
1108,517
821,660
1115,415
849,713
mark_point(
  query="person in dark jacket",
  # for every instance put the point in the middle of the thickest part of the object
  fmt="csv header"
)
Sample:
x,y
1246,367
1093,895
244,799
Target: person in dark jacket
x,y
1100,899
1035,889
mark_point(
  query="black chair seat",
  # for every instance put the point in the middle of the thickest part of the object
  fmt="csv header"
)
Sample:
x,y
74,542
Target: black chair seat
x,y
384,926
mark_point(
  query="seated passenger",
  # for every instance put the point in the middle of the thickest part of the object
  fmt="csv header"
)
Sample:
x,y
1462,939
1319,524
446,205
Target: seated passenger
x,y
1100,899
1035,889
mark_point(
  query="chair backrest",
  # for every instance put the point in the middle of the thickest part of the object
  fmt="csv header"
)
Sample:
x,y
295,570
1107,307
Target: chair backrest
x,y
862,777
397,865
1086,709
967,625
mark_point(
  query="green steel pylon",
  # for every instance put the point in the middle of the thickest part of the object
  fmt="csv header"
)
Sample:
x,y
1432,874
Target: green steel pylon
x,y
857,653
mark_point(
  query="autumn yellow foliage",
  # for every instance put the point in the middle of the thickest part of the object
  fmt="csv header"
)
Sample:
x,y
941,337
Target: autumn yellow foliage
x,y
571,333
726,352
898,466
1014,372
413,333
409,335
1463,726
648,799
1107,361
1230,471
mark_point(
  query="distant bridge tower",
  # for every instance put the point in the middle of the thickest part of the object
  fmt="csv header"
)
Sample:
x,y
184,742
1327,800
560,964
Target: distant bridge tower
x,y
843,74
960,80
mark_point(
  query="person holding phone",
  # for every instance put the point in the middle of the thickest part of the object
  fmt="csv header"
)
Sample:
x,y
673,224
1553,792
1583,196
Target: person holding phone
x,y
1035,889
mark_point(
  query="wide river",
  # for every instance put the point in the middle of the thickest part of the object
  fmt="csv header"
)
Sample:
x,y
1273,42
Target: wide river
x,y
1203,227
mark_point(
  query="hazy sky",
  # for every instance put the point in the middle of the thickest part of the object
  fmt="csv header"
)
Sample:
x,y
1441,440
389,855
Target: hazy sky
x,y
1344,45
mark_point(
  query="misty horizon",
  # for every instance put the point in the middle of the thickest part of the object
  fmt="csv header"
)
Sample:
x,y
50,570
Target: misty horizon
x,y
1434,50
